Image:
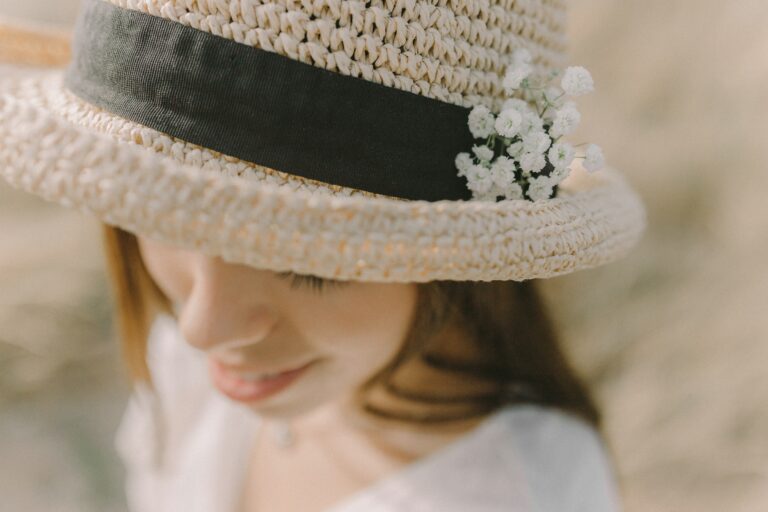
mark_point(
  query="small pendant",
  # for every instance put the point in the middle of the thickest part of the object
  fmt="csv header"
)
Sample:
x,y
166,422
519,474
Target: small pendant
x,y
283,434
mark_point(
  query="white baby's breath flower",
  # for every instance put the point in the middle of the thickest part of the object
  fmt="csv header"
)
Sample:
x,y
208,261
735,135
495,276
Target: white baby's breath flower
x,y
463,162
515,149
532,162
513,191
552,99
508,123
536,142
565,121
503,172
549,116
522,56
531,123
539,188
577,81
480,121
483,152
488,196
521,106
514,76
594,160
479,179
555,95
558,174
561,155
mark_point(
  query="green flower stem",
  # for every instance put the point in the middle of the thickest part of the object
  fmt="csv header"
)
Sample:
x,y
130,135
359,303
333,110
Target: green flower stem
x,y
541,114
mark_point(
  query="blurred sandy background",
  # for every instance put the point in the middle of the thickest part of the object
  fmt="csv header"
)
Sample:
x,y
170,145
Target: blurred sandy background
x,y
674,337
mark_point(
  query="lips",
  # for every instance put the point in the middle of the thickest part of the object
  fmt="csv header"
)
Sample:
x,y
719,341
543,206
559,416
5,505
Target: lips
x,y
240,387
250,370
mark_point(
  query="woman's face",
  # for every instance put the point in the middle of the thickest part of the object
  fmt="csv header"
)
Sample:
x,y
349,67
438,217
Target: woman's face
x,y
251,322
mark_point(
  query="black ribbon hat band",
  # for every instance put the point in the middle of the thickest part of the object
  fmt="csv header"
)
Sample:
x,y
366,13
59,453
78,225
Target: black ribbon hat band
x,y
266,108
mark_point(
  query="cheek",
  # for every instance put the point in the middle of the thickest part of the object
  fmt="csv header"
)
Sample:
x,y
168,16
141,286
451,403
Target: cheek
x,y
364,325
170,268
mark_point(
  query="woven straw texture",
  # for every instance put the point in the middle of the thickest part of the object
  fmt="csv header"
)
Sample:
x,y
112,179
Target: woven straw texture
x,y
57,146
596,219
452,50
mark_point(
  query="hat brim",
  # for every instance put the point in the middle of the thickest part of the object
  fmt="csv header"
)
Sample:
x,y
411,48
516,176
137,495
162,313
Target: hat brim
x,y
56,146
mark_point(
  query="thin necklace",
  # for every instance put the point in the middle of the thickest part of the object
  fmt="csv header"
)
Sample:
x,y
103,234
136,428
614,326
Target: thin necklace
x,y
284,435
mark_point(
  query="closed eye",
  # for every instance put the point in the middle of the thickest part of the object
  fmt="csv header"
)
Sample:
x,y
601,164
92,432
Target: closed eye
x,y
313,282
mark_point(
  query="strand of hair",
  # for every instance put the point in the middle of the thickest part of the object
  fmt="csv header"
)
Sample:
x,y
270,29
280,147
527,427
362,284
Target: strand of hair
x,y
488,372
492,397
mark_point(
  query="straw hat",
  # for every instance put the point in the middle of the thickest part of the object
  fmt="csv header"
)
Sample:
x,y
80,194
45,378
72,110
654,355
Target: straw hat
x,y
313,136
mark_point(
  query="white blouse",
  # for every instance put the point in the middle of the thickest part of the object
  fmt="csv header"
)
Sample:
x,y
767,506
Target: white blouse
x,y
186,449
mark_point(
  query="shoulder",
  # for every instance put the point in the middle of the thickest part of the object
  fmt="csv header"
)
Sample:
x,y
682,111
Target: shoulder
x,y
179,409
564,459
179,376
158,412
527,458
181,432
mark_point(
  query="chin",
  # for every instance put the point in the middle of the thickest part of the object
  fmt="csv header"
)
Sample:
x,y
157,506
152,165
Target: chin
x,y
291,405
295,406
280,411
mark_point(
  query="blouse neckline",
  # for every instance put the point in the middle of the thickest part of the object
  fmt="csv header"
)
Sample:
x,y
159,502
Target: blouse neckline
x,y
187,449
352,502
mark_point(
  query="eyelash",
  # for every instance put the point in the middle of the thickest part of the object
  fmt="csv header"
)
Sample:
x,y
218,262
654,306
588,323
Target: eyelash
x,y
315,283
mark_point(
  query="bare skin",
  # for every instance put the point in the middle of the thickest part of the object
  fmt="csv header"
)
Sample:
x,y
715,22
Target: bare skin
x,y
245,316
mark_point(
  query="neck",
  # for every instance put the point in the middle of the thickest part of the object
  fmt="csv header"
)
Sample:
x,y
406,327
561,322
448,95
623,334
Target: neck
x,y
403,439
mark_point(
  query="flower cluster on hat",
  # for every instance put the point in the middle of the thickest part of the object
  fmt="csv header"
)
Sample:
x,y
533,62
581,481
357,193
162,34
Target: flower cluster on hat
x,y
521,154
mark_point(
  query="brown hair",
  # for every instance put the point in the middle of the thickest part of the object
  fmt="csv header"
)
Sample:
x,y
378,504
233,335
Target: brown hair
x,y
513,341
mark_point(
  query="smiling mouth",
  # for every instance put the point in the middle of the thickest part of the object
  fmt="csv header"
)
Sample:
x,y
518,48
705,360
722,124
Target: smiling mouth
x,y
249,372
251,388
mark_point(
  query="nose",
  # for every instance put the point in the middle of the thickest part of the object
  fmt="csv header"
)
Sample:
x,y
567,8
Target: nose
x,y
227,307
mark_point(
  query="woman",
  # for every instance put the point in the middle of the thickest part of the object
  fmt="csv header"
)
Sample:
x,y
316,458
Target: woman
x,y
316,312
